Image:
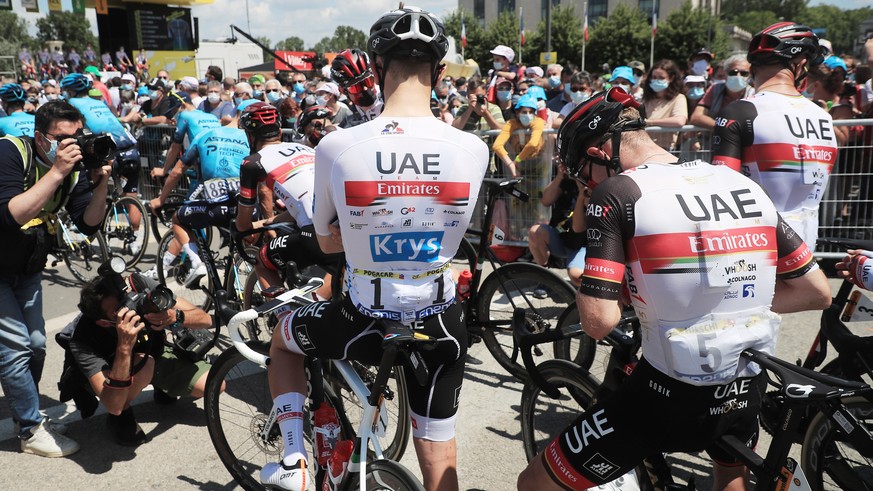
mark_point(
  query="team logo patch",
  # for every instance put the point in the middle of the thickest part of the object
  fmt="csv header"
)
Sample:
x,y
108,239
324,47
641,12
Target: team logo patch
x,y
302,336
600,465
393,128
406,246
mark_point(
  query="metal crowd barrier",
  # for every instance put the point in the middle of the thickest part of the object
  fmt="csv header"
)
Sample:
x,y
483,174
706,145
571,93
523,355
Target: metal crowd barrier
x,y
845,211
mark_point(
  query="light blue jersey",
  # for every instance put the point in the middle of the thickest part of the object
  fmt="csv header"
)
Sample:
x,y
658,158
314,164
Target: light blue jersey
x,y
99,119
192,123
220,152
18,124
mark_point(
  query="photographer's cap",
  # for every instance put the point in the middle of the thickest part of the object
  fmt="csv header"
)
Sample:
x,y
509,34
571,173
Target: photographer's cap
x,y
156,84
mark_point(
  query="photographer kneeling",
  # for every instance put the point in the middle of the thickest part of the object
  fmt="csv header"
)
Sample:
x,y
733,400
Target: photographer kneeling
x,y
118,345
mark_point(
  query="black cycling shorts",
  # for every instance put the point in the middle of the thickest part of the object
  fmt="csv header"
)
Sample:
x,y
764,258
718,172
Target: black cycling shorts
x,y
336,330
127,166
300,246
651,413
201,213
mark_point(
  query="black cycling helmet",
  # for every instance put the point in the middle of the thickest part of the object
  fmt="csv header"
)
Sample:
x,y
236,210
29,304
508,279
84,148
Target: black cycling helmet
x,y
75,83
409,32
260,120
12,93
782,42
595,120
311,114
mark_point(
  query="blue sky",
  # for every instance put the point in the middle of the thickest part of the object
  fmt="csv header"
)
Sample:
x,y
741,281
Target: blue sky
x,y
278,20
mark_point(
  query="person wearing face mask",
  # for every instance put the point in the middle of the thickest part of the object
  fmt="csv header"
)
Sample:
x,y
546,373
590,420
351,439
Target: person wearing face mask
x,y
17,122
580,91
664,101
289,111
50,91
695,87
314,124
213,104
160,109
273,92
191,86
737,86
557,102
692,142
241,92
623,76
700,62
190,122
502,57
40,176
327,95
257,83
553,80
297,86
504,98
524,133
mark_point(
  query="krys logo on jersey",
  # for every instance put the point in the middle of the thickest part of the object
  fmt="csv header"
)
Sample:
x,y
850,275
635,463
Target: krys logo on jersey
x,y
406,246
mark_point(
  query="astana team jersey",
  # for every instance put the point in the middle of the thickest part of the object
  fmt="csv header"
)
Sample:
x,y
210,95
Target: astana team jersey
x,y
787,145
700,247
190,123
289,170
99,119
403,190
17,124
220,151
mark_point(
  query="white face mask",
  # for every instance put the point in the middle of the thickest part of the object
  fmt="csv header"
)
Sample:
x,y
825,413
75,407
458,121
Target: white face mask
x,y
525,119
699,67
213,98
736,83
579,96
321,100
498,65
625,87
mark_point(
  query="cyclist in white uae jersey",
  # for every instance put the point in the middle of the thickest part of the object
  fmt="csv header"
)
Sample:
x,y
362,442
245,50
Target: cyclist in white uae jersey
x,y
288,170
704,256
782,140
401,189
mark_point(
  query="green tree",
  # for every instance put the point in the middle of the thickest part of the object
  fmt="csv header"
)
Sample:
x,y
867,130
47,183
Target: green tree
x,y
502,30
73,29
623,36
14,30
755,20
685,31
264,40
292,43
346,37
323,46
841,25
477,49
566,38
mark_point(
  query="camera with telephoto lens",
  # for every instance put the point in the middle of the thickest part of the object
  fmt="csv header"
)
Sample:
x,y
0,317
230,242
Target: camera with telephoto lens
x,y
135,295
97,149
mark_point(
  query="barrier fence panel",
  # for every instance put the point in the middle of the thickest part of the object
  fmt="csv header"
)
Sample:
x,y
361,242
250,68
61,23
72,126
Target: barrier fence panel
x,y
845,211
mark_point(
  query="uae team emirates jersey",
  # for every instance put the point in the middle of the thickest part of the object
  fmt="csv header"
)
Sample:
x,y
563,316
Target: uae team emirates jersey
x,y
403,190
787,145
700,248
288,169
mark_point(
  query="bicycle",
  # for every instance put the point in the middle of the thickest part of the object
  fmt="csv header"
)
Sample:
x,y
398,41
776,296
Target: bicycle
x,y
838,443
123,239
82,254
492,300
242,422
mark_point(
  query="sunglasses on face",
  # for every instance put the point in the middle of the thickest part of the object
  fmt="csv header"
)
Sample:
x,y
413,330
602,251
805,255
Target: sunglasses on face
x,y
273,90
736,72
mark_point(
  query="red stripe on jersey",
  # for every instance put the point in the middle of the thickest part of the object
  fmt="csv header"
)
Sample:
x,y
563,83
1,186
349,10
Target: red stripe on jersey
x,y
246,192
561,470
797,259
603,269
284,171
773,155
731,162
658,251
369,193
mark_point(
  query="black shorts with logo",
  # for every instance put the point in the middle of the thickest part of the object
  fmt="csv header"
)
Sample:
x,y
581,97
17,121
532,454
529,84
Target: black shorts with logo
x,y
336,330
651,413
300,246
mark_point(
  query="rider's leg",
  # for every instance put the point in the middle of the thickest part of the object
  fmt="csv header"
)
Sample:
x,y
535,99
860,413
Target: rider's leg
x,y
439,464
729,478
287,380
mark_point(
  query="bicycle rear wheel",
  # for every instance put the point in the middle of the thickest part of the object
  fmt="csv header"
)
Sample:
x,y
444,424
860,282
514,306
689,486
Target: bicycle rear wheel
x,y
829,460
544,296
387,475
82,254
174,277
122,239
395,410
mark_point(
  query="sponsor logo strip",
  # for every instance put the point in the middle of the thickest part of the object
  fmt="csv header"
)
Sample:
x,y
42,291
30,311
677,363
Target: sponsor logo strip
x,y
787,157
561,470
798,259
371,193
651,250
602,269
401,276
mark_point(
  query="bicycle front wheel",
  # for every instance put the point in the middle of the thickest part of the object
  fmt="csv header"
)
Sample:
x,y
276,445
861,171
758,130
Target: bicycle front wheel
x,y
174,276
541,293
387,475
829,460
82,254
126,239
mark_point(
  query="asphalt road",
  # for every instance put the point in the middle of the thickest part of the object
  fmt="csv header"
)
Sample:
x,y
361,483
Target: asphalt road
x,y
180,454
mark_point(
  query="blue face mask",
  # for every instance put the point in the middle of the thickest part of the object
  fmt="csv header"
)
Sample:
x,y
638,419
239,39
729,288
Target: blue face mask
x,y
504,95
273,96
498,65
257,94
515,98
526,119
52,151
153,94
659,85
554,81
236,101
126,87
291,121
299,88
695,93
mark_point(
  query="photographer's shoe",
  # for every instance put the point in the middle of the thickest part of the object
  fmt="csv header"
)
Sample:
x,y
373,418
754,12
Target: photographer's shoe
x,y
164,399
194,275
276,475
46,442
125,430
59,428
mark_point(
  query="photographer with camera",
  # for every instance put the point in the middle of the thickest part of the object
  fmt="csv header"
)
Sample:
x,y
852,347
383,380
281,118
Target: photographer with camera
x,y
38,177
118,346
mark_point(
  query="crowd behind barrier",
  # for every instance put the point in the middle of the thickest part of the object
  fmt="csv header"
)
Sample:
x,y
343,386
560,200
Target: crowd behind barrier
x,y
846,209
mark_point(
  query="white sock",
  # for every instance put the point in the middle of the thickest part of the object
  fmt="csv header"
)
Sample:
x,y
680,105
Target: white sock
x,y
191,249
168,260
291,425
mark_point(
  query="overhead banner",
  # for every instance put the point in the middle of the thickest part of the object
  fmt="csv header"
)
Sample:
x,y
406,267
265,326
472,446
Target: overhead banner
x,y
55,6
300,60
30,5
79,7
160,28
